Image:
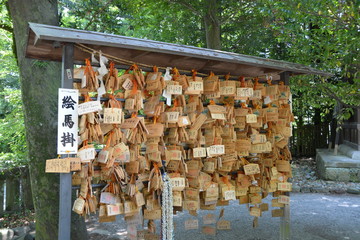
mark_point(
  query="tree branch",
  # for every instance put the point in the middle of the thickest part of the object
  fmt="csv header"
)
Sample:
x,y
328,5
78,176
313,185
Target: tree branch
x,y
339,20
6,27
333,95
187,5
99,11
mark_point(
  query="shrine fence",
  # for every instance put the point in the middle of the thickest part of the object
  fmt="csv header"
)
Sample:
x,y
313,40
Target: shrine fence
x,y
15,190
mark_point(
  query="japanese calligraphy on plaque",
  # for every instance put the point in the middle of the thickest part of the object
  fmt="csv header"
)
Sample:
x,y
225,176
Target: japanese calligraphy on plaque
x,y
67,142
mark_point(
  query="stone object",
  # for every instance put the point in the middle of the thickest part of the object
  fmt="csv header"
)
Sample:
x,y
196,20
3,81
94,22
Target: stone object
x,y
353,190
320,190
305,189
28,236
6,234
295,188
349,151
19,231
337,167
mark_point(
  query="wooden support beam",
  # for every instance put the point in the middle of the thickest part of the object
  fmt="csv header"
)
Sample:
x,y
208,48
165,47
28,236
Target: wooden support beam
x,y
285,220
285,77
178,59
137,56
65,178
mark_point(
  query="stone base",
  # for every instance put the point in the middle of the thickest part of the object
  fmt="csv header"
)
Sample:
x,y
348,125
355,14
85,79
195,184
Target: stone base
x,y
349,151
337,168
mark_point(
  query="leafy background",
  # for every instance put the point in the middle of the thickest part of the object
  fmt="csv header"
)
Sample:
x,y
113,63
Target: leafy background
x,y
323,34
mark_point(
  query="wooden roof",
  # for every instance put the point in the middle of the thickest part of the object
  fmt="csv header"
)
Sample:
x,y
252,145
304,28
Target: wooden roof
x,y
45,43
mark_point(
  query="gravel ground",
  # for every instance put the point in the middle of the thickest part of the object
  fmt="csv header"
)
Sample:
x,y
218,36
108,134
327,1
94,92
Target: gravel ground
x,y
305,179
314,216
319,210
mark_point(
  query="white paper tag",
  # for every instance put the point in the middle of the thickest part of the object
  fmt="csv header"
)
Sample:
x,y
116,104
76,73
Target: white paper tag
x,y
93,59
88,107
267,100
86,154
83,81
168,97
103,70
167,76
101,90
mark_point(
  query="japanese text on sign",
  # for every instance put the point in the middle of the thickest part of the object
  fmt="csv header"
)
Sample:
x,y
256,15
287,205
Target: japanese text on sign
x,y
244,92
174,89
57,165
216,150
88,107
67,121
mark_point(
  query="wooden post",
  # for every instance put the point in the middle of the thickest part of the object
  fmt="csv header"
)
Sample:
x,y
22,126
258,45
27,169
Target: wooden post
x,y
12,194
285,220
65,178
337,136
26,195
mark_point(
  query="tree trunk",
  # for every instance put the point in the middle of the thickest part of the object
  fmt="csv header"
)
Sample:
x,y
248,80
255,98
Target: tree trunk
x,y
26,195
212,25
39,84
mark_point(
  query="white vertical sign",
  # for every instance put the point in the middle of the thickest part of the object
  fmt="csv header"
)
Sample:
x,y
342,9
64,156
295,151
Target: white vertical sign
x,y
67,140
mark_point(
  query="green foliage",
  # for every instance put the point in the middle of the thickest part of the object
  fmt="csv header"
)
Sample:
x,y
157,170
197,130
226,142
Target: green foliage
x,y
152,19
9,77
13,151
12,131
322,34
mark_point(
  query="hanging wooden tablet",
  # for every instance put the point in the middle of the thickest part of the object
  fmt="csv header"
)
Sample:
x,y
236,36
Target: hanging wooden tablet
x,y
211,84
111,79
195,85
89,80
227,88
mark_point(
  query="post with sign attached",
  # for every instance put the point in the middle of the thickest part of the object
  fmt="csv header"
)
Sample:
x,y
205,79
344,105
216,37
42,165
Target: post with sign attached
x,y
67,141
